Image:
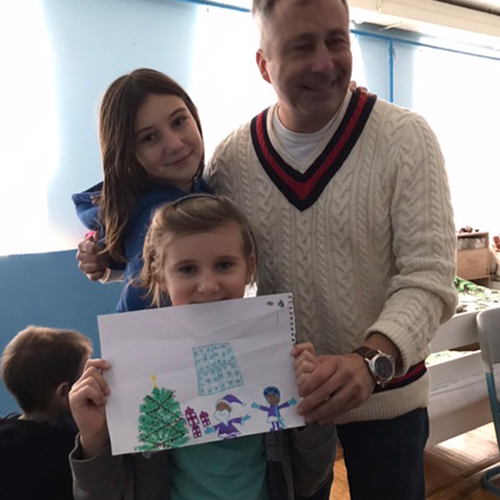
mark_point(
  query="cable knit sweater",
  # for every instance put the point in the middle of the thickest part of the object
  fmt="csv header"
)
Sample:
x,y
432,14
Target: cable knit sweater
x,y
364,238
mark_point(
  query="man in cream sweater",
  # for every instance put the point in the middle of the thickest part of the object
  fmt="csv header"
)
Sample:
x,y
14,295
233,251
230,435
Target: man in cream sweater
x,y
350,203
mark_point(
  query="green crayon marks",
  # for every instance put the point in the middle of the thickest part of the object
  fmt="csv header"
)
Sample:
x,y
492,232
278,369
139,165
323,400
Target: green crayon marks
x,y
161,425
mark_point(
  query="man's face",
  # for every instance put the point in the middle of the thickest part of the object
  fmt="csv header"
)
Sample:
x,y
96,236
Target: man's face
x,y
306,55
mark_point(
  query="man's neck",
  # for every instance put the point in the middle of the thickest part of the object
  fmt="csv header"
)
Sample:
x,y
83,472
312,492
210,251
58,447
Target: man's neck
x,y
304,124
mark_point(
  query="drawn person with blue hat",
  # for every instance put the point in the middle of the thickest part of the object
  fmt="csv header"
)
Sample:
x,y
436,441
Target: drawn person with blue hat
x,y
273,397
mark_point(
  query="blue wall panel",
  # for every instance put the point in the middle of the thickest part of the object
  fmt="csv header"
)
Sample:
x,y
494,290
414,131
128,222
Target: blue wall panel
x,y
49,290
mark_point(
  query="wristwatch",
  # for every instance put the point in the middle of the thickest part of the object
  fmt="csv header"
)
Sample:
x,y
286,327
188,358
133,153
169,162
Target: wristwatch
x,y
382,366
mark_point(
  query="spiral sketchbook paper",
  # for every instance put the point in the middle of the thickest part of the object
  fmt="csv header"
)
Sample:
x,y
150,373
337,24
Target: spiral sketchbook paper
x,y
189,375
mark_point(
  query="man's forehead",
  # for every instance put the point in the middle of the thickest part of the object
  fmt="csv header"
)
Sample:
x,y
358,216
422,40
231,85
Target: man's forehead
x,y
307,34
307,26
302,34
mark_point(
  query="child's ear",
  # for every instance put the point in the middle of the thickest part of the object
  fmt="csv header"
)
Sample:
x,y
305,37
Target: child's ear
x,y
164,290
62,393
163,286
251,269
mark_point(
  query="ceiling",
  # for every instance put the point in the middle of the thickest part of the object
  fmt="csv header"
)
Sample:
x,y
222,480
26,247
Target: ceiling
x,y
468,21
475,22
489,6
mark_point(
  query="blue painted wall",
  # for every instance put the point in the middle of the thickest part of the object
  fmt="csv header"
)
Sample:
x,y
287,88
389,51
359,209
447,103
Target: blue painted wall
x,y
49,290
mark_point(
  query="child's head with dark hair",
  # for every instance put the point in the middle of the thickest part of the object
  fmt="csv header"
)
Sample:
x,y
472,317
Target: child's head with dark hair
x,y
39,366
149,131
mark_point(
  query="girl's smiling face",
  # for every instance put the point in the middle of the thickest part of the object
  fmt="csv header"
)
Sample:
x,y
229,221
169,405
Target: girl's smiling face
x,y
206,267
168,144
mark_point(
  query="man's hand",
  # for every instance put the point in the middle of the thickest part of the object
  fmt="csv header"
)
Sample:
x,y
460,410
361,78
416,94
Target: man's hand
x,y
338,384
91,261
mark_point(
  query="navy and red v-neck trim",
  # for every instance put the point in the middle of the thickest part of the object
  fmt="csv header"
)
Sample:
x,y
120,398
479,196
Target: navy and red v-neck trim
x,y
303,189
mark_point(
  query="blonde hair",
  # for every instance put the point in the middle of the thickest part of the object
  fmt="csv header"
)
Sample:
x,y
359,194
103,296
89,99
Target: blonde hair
x,y
38,359
189,215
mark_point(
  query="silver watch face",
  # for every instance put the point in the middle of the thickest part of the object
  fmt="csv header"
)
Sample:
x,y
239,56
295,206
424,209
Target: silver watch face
x,y
383,368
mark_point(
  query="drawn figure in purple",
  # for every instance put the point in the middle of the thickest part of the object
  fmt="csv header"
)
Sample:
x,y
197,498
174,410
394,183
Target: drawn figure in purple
x,y
226,428
273,397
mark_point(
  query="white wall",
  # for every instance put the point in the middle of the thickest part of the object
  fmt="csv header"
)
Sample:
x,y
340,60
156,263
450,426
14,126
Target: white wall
x,y
57,57
456,93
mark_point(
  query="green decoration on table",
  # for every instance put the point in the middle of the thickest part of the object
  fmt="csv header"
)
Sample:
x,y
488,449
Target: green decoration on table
x,y
161,425
462,285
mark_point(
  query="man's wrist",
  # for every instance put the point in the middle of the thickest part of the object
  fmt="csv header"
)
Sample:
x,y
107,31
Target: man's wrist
x,y
380,342
381,366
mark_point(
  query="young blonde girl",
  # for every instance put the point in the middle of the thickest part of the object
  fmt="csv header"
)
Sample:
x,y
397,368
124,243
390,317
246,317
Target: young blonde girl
x,y
152,152
197,249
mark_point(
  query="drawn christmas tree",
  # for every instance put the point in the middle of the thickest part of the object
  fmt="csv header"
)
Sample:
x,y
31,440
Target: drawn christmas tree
x,y
161,425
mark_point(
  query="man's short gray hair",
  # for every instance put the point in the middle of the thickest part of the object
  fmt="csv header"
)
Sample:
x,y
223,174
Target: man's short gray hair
x,y
264,8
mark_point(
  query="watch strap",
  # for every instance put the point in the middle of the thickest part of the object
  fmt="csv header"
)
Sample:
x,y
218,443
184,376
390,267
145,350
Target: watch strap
x,y
366,352
370,355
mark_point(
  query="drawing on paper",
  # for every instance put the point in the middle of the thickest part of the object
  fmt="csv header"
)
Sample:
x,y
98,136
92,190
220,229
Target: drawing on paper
x,y
212,361
161,425
226,426
273,397
217,369
193,421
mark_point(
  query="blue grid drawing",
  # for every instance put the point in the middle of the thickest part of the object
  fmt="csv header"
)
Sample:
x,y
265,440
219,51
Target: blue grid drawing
x,y
217,369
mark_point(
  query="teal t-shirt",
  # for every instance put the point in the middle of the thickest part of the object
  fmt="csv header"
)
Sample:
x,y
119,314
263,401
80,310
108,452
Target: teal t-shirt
x,y
224,470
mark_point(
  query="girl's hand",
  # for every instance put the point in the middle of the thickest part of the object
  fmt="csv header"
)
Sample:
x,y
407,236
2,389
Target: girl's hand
x,y
305,361
87,400
353,87
91,261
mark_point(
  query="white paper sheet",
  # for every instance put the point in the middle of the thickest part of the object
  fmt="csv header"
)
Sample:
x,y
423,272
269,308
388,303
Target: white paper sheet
x,y
172,367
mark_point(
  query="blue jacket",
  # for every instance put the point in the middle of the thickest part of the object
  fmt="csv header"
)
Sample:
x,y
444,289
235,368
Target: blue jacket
x,y
132,298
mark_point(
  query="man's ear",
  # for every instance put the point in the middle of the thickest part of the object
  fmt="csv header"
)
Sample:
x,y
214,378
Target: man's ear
x,y
262,64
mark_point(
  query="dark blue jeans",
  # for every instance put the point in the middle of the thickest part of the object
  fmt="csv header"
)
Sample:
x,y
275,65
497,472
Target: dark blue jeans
x,y
385,458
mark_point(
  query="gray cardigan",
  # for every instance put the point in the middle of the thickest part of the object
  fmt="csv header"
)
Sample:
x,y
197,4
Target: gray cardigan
x,y
299,461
